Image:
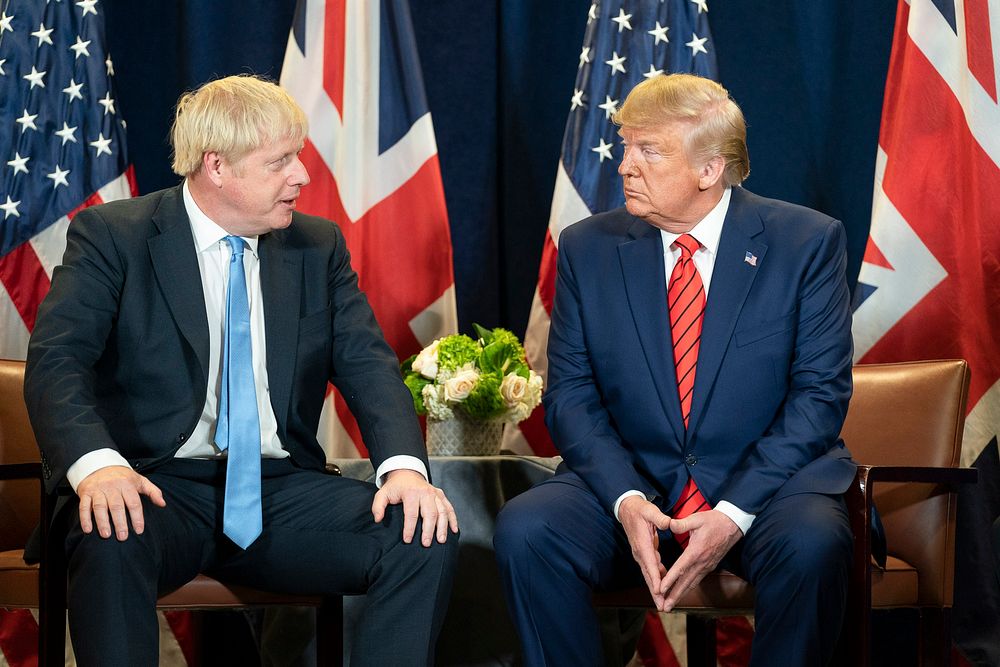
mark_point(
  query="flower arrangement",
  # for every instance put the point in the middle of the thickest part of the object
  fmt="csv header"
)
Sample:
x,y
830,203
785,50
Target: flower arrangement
x,y
486,379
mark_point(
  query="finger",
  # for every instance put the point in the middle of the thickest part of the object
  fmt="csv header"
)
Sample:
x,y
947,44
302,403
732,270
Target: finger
x,y
411,512
379,504
134,506
450,511
86,525
147,488
429,514
653,514
442,521
99,508
116,508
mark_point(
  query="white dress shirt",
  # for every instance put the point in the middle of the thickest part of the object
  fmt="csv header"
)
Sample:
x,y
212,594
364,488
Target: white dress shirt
x,y
214,254
707,232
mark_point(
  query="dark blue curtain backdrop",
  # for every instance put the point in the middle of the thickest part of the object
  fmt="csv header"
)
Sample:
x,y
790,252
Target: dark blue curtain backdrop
x,y
499,76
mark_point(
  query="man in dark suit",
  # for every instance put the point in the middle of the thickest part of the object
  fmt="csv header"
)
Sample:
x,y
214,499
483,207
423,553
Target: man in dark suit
x,y
699,374
175,378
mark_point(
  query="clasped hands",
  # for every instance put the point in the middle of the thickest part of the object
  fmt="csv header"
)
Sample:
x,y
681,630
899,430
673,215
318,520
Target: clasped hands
x,y
110,497
711,535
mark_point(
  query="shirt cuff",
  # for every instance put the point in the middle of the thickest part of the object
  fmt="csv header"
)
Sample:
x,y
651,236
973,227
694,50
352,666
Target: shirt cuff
x,y
399,462
739,517
92,462
625,495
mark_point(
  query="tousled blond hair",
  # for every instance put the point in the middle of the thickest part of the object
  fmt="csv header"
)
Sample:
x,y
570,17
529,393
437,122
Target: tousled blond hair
x,y
717,126
232,116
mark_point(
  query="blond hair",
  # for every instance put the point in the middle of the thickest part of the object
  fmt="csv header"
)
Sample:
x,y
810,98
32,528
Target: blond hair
x,y
232,116
717,126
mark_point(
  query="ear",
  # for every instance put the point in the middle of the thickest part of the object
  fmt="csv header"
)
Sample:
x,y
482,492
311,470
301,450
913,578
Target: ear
x,y
212,165
711,172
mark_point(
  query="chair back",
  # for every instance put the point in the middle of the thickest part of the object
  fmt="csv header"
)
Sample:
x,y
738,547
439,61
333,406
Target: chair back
x,y
19,506
913,414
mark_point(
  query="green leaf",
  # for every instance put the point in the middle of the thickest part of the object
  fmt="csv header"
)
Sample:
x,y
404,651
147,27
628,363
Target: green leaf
x,y
482,333
416,382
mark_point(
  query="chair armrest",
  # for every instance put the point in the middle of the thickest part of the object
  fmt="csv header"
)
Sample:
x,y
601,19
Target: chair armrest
x,y
919,474
21,471
859,496
859,506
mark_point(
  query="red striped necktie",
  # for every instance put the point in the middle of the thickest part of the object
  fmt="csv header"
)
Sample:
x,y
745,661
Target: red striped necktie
x,y
686,303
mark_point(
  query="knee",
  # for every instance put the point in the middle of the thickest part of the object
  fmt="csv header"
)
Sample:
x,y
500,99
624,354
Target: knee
x,y
818,551
521,527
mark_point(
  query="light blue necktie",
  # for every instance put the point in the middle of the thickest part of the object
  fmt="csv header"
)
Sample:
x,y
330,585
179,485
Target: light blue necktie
x,y
238,426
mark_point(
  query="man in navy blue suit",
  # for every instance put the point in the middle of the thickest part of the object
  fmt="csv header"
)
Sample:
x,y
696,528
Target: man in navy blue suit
x,y
699,374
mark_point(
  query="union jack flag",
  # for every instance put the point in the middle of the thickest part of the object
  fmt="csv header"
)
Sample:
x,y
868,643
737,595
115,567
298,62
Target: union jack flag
x,y
62,146
929,285
353,67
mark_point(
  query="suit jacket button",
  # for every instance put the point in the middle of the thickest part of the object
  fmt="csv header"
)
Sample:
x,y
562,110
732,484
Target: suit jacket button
x,y
181,438
691,459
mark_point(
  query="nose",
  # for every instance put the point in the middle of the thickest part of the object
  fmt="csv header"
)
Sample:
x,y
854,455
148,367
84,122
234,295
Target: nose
x,y
627,165
299,175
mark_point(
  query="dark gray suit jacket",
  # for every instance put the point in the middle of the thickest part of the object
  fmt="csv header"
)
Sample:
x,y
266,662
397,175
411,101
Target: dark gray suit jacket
x,y
119,355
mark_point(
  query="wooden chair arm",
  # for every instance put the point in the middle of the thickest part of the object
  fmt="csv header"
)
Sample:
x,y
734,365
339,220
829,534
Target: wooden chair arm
x,y
20,471
918,474
859,506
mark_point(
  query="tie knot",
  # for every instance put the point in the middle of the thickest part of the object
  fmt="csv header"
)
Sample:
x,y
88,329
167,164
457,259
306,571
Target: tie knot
x,y
236,243
688,244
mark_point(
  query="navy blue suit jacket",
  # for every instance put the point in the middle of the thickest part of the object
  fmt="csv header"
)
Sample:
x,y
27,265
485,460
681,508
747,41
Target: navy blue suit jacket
x,y
774,369
119,355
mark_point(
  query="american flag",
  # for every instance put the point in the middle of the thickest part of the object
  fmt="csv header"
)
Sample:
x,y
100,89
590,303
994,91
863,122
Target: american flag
x,y
625,42
62,146
353,67
929,286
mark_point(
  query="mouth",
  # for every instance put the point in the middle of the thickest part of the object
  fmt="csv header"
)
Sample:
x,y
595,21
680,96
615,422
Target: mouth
x,y
289,202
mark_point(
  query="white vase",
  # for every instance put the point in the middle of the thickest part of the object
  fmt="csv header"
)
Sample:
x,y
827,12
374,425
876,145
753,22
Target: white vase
x,y
463,436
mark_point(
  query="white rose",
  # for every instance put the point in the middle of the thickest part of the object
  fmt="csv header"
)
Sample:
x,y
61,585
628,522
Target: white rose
x,y
512,389
533,392
426,362
517,413
457,388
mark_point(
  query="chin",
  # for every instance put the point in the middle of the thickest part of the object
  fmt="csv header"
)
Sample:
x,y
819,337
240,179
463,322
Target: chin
x,y
635,208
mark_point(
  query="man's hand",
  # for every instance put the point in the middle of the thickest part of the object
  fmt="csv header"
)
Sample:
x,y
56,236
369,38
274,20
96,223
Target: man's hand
x,y
112,491
419,499
711,535
640,519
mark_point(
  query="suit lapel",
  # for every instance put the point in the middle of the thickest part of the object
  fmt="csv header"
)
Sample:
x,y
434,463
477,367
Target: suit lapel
x,y
175,265
732,278
641,259
281,285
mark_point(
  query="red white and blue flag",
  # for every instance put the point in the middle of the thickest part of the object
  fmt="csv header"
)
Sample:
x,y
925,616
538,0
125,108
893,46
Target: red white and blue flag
x,y
353,67
929,286
62,146
625,42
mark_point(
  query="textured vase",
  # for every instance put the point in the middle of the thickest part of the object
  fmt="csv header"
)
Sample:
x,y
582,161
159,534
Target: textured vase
x,y
463,436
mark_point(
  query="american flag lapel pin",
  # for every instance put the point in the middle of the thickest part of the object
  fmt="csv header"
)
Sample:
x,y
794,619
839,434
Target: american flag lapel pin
x,y
750,258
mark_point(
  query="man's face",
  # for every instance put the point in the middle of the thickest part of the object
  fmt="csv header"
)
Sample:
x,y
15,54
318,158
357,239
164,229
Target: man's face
x,y
260,191
660,183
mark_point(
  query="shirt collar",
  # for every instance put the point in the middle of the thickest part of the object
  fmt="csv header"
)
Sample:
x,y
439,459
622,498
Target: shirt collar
x,y
207,233
708,231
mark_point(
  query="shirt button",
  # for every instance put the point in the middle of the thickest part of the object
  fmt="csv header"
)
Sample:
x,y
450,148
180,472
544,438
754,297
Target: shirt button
x,y
691,459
